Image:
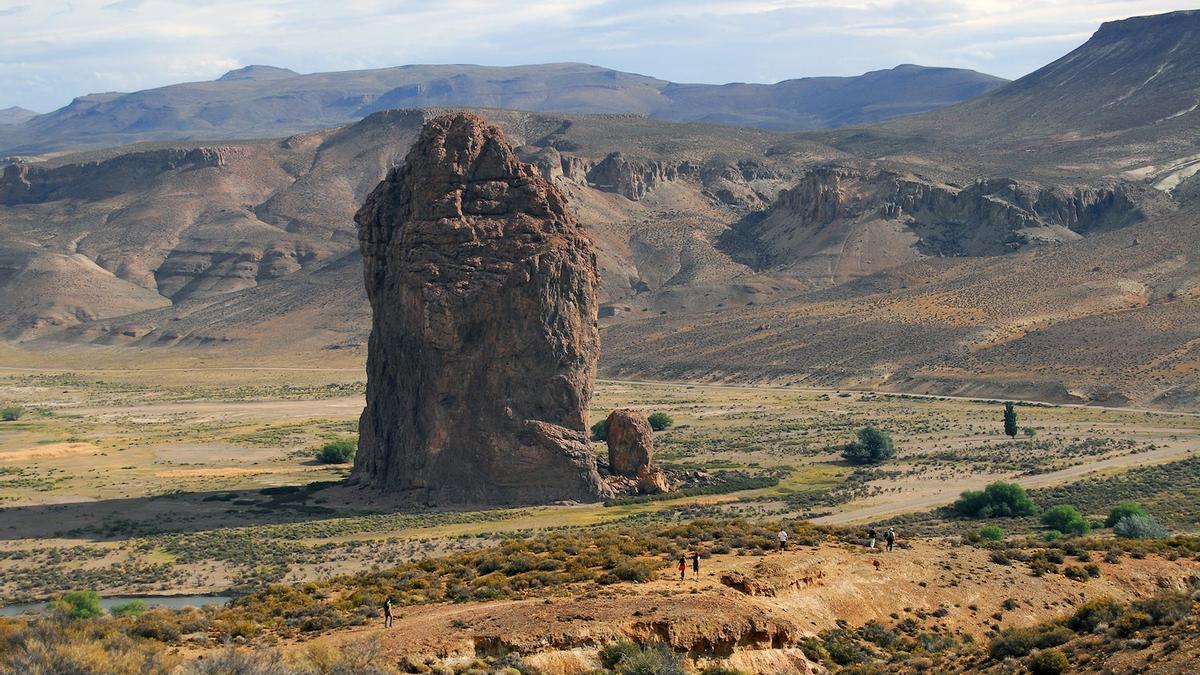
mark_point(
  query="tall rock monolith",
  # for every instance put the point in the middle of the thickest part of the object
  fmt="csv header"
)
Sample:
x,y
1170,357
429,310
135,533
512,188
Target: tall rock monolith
x,y
484,336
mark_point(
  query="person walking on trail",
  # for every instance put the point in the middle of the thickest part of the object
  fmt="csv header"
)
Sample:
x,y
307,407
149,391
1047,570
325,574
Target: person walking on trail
x,y
890,538
682,567
782,537
696,565
871,537
387,613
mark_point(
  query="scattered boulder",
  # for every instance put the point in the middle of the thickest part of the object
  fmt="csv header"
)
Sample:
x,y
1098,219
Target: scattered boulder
x,y
631,450
484,334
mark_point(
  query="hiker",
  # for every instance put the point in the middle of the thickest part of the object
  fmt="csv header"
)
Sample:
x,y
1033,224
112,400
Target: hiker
x,y
782,537
682,567
890,538
696,565
871,537
387,613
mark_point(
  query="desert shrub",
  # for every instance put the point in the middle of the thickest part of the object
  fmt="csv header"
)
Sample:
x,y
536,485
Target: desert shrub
x,y
1048,662
131,608
1020,641
991,533
1095,613
232,661
1166,608
660,420
878,634
998,499
1130,623
600,431
80,604
871,447
1076,573
633,570
1122,510
11,413
336,452
842,649
1140,527
627,658
1066,519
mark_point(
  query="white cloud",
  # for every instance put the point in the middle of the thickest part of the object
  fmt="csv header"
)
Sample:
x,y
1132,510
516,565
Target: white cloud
x,y
56,50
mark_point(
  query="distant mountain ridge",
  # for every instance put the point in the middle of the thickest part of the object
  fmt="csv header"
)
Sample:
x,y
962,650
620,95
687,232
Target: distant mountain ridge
x,y
264,101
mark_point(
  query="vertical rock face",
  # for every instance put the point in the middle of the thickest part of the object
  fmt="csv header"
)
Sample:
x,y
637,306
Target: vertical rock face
x,y
484,339
631,450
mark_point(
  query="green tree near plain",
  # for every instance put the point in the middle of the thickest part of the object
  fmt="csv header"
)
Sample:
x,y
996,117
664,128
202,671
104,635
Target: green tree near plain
x,y
871,447
337,452
1122,510
1010,419
1066,519
997,500
660,420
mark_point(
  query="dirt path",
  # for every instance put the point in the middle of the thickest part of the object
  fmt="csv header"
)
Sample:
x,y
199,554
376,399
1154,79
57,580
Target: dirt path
x,y
347,406
949,491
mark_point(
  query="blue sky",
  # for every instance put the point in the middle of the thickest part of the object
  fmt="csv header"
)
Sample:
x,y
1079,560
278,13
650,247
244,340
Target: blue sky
x,y
53,51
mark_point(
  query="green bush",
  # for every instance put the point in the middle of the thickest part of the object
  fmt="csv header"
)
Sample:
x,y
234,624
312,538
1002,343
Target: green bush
x,y
991,533
1140,527
80,604
1130,623
1124,509
1020,641
633,570
1048,662
871,447
997,500
11,414
131,608
600,431
336,452
1066,519
660,420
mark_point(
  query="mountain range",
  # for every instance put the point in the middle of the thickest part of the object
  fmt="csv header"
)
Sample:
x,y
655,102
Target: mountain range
x,y
1038,241
267,102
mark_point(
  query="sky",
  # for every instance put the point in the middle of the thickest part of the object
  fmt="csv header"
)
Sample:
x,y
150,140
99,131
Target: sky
x,y
53,51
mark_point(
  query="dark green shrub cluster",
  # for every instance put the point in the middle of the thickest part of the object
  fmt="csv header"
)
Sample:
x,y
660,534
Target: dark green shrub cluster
x,y
1122,510
1139,527
1065,519
600,431
11,413
871,447
997,500
629,658
337,452
660,421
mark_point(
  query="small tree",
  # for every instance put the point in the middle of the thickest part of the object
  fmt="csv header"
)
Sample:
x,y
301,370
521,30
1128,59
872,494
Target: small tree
x,y
660,420
1010,420
11,413
336,452
1139,527
991,533
1065,518
600,431
1122,510
872,447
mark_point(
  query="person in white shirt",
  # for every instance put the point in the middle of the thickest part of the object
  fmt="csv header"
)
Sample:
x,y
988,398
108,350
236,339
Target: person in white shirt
x,y
783,537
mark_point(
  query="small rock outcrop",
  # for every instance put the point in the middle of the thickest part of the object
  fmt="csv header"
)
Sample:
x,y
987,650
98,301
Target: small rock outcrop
x,y
631,451
484,334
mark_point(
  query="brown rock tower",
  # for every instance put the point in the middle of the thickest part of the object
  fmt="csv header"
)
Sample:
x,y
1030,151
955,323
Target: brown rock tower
x,y
484,339
631,450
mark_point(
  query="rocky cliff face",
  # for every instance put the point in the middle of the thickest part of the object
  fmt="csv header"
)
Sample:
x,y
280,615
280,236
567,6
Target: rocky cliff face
x,y
26,184
631,451
484,340
987,217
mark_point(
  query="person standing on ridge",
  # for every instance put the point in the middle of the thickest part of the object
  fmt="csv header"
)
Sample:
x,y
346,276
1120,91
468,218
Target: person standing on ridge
x,y
890,538
387,613
682,566
782,537
872,535
696,565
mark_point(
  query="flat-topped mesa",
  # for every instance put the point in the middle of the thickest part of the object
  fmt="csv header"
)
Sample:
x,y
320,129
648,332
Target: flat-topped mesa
x,y
484,337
